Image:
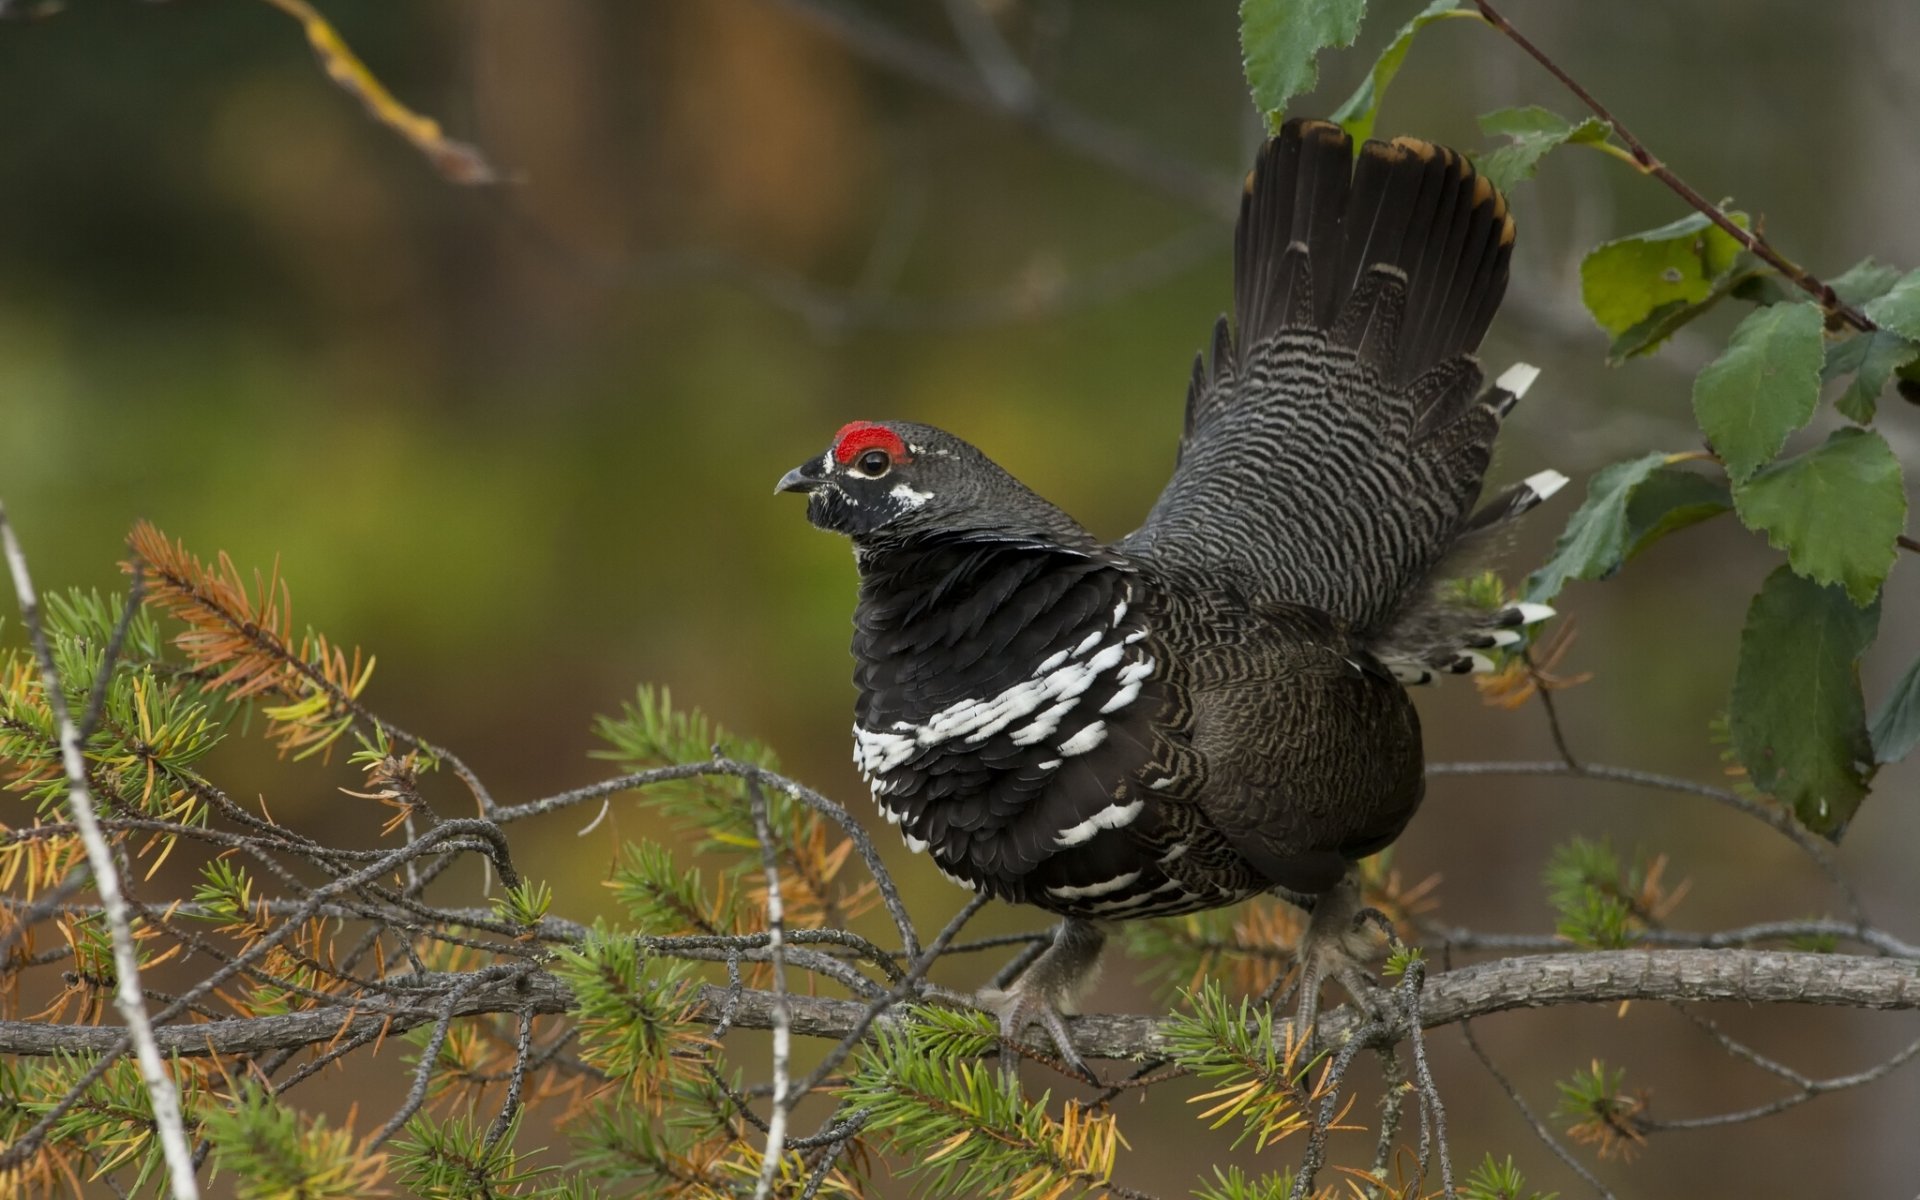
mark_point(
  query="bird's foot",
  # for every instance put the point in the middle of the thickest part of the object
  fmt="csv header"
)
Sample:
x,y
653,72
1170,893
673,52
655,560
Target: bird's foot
x,y
1334,945
1044,989
1016,1009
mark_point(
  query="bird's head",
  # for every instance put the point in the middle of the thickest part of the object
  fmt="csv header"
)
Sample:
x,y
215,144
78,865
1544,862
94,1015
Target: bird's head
x,y
886,480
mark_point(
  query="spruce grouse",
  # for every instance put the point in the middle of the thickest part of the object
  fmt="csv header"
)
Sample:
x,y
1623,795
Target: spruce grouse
x,y
1212,706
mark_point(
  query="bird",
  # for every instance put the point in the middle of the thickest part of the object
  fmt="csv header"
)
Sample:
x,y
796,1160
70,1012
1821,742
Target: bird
x,y
1215,705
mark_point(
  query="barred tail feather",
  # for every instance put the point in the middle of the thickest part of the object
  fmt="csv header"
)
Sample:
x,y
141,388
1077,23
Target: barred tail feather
x,y
1473,633
1335,447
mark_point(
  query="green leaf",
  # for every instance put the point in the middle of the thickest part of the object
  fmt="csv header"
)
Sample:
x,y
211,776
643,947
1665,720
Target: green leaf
x,y
1836,510
1533,131
1896,727
1358,114
1629,506
1871,359
1662,323
1668,501
1280,38
1865,280
1624,281
1765,386
1797,719
1899,309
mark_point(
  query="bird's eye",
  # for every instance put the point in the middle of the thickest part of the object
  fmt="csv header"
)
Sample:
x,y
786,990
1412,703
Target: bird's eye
x,y
873,464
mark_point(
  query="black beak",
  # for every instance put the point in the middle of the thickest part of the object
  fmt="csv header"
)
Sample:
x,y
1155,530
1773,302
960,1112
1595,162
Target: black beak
x,y
803,478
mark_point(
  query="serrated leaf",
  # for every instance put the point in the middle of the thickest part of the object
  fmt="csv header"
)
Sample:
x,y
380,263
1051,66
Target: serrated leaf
x,y
1763,387
1899,308
1797,719
1896,727
1279,40
1836,510
1624,281
1863,281
1358,114
1532,132
1871,359
1629,506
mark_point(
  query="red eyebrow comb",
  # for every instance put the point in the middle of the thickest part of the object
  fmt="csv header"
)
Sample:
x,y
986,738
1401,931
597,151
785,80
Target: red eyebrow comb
x,y
866,435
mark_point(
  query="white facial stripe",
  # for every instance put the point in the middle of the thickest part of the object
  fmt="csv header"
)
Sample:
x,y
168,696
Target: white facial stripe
x,y
909,498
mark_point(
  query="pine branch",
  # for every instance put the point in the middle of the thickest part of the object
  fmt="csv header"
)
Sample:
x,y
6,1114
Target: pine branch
x,y
1466,993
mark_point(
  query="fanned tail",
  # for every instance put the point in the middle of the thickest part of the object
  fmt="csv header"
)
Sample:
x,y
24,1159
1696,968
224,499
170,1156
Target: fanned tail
x,y
1338,433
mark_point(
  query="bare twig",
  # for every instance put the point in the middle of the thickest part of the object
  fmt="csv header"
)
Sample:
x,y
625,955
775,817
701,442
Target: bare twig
x,y
516,1081
1802,278
1010,83
457,162
1540,1129
946,73
1746,935
1805,1087
1547,702
861,1021
1482,989
1774,817
1477,990
782,1020
128,996
1432,1110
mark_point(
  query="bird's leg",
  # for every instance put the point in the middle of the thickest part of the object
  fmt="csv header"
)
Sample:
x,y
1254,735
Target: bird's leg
x,y
1334,944
1049,987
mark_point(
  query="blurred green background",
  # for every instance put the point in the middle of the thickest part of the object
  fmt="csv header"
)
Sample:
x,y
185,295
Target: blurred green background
x,y
520,442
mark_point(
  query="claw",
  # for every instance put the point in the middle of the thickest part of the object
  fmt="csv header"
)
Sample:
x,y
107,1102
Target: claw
x,y
1018,1008
1333,945
1037,996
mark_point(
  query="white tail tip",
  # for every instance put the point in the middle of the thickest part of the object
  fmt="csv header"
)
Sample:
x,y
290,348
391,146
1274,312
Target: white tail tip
x,y
1517,379
1533,614
1482,665
1545,483
1506,637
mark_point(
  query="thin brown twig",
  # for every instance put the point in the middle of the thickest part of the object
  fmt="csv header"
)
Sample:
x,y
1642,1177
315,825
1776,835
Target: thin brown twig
x,y
1652,165
1774,817
1526,1112
1560,742
1806,1087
